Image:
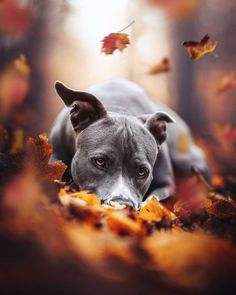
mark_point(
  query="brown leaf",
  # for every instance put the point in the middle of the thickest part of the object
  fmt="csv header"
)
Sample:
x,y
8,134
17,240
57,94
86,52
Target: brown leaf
x,y
41,151
197,50
162,67
227,82
223,209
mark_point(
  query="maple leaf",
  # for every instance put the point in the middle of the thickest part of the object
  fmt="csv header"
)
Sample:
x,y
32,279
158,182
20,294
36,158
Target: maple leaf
x,y
162,67
41,150
197,50
227,82
115,41
154,211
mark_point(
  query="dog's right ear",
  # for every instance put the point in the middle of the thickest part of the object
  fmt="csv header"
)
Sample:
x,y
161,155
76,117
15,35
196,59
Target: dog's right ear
x,y
86,108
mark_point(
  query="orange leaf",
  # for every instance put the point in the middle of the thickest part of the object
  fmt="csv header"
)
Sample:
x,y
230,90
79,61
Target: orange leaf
x,y
41,151
199,49
162,67
115,41
227,82
123,225
154,211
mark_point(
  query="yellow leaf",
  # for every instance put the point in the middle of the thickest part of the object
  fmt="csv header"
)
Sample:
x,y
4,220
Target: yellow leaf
x,y
154,211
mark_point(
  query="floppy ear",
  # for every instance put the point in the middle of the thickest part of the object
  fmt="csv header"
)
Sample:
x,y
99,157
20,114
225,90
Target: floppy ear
x,y
86,108
156,124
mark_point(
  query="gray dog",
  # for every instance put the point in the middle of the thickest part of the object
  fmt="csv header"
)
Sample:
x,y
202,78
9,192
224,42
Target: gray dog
x,y
117,144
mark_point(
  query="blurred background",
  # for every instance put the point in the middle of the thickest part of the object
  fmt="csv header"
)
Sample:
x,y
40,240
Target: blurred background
x,y
43,41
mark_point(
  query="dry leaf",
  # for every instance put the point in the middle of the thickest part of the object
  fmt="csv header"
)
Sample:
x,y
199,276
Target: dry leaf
x,y
227,82
88,198
123,225
154,211
115,41
197,50
223,209
162,67
41,151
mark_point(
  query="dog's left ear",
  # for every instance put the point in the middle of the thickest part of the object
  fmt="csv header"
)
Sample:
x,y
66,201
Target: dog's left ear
x,y
86,108
156,124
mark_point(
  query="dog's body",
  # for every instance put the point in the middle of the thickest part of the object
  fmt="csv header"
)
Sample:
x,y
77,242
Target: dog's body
x,y
130,126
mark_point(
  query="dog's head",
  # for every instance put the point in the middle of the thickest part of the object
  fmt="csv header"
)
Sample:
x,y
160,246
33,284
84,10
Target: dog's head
x,y
115,154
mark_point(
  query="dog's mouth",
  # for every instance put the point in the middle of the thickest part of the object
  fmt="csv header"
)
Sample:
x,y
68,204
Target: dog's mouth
x,y
124,202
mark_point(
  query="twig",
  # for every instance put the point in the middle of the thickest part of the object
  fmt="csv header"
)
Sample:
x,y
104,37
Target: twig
x,y
130,24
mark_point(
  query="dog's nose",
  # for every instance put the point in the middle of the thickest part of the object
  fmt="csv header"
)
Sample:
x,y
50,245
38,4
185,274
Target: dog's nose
x,y
123,201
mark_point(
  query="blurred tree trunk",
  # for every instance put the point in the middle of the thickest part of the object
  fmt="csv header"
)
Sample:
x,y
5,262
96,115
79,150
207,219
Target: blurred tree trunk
x,y
188,104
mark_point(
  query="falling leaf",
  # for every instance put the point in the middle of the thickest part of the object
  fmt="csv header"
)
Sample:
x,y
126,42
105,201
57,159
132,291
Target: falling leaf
x,y
41,150
162,67
197,50
115,41
21,65
227,82
154,211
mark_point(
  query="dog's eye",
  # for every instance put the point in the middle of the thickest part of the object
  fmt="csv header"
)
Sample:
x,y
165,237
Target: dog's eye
x,y
100,162
142,172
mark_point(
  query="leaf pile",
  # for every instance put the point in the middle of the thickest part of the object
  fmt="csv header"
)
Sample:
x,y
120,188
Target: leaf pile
x,y
112,246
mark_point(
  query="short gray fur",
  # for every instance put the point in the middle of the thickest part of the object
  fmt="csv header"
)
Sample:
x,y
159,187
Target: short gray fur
x,y
116,121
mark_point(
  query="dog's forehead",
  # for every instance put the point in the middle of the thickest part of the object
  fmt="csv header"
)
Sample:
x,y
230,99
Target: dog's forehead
x,y
123,133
